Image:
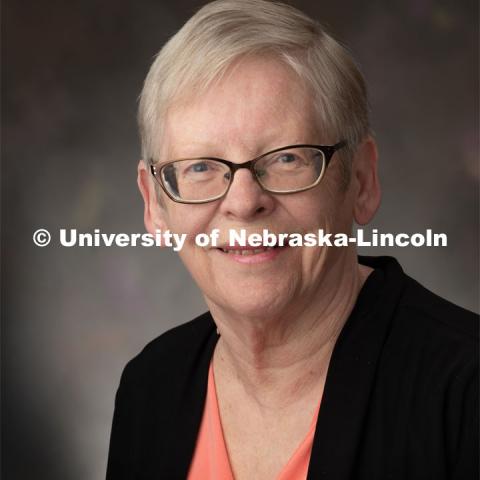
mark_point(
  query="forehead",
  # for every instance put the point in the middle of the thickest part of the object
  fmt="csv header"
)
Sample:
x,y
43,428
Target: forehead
x,y
257,105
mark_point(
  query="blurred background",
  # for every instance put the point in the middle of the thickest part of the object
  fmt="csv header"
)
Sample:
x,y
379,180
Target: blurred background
x,y
71,75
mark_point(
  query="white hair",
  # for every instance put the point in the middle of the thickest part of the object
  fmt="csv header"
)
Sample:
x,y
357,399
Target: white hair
x,y
224,31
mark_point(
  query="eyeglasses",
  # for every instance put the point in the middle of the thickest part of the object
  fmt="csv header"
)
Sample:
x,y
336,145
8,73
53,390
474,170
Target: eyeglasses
x,y
290,169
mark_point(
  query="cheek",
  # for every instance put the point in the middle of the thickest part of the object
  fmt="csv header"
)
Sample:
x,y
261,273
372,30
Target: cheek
x,y
337,207
189,219
316,208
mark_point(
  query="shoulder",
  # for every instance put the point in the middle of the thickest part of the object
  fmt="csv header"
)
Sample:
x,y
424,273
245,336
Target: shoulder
x,y
427,338
435,323
432,342
443,316
173,351
416,312
435,340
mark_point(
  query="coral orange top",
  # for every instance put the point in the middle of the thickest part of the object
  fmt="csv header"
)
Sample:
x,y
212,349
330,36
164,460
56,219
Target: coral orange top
x,y
210,460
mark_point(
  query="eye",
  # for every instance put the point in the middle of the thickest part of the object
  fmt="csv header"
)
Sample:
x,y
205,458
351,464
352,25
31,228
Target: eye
x,y
198,167
200,170
286,161
287,158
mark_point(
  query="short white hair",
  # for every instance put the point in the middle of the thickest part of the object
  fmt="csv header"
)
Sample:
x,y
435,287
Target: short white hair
x,y
224,31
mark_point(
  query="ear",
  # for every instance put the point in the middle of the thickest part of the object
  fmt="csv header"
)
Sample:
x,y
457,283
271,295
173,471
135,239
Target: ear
x,y
367,185
154,214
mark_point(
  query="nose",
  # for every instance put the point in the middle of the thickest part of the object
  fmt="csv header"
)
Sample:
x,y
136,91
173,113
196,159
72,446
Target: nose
x,y
245,199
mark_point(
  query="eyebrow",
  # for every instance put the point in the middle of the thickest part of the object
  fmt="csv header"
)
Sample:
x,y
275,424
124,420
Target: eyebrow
x,y
190,149
209,149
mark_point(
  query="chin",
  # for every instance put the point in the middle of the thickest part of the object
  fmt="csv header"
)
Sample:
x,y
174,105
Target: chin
x,y
250,302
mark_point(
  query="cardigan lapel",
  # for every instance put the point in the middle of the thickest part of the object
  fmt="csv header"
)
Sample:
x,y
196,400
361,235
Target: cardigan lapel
x,y
351,374
187,410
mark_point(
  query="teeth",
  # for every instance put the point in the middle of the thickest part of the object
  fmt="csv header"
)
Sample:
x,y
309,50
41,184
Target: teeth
x,y
248,252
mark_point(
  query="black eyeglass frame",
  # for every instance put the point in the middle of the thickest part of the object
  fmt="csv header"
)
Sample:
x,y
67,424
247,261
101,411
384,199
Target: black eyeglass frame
x,y
327,151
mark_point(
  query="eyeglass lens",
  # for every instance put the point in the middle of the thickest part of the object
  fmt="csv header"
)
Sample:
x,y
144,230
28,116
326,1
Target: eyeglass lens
x,y
283,171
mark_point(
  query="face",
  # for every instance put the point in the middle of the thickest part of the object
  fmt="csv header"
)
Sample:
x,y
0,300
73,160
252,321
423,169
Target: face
x,y
258,106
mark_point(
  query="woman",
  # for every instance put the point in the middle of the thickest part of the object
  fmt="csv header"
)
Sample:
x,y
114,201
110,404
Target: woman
x,y
310,363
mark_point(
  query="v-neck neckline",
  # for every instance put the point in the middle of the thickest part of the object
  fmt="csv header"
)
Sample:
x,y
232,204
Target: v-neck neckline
x,y
298,460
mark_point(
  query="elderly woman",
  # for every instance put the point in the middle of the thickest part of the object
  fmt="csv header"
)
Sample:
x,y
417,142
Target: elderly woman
x,y
311,362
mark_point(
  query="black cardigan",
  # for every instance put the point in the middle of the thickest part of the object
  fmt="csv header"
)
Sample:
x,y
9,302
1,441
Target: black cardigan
x,y
400,399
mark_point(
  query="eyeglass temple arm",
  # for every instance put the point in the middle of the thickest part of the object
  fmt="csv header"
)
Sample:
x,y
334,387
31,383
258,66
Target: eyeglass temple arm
x,y
329,151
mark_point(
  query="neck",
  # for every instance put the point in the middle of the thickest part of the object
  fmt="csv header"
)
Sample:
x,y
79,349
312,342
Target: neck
x,y
279,359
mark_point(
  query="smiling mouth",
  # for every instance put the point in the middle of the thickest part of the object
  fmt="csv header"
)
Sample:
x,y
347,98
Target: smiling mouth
x,y
248,251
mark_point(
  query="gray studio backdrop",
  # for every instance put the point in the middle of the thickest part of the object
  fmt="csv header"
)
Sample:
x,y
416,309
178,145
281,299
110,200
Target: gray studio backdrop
x,y
72,317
